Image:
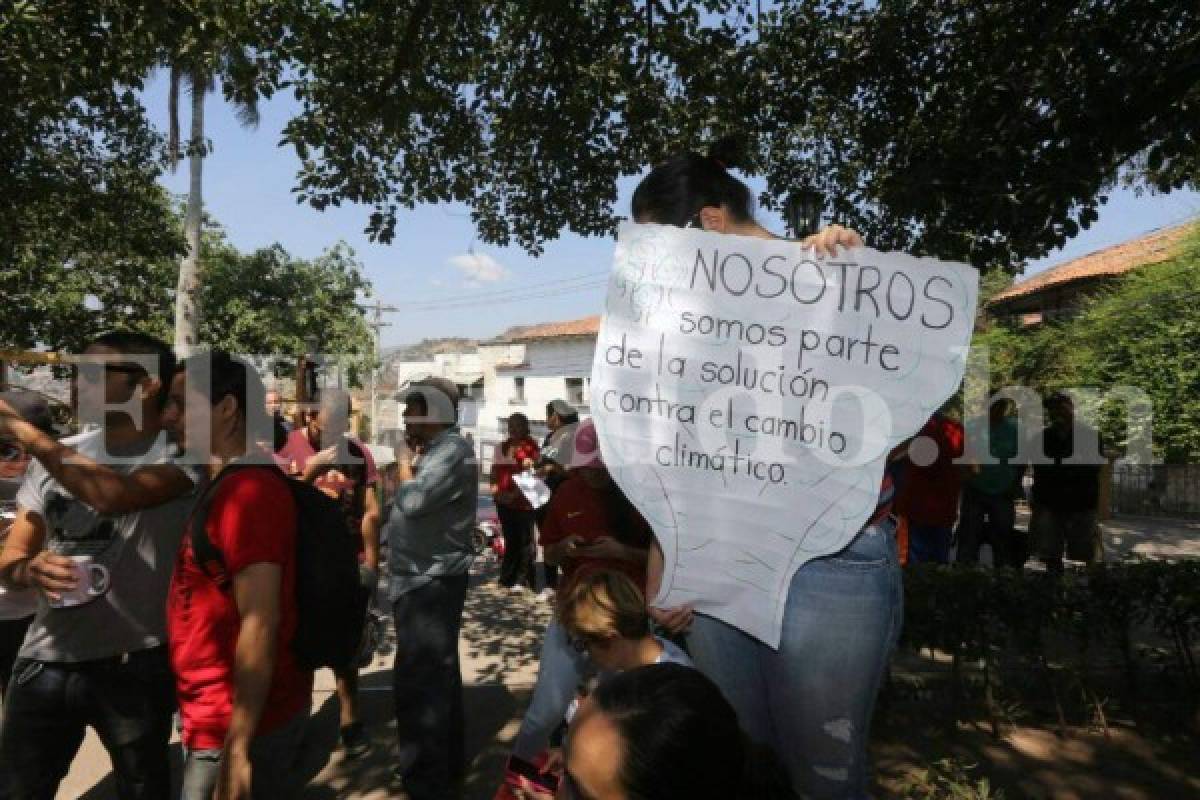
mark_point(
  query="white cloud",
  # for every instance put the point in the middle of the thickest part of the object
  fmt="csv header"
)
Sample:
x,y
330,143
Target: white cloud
x,y
480,268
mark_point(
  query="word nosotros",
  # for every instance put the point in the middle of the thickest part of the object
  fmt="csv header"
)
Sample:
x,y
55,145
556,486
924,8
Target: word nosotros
x,y
851,285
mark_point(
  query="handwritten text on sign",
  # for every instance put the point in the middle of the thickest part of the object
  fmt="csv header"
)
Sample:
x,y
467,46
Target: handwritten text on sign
x,y
747,394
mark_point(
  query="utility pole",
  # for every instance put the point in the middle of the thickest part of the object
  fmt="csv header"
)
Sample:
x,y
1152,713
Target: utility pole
x,y
376,324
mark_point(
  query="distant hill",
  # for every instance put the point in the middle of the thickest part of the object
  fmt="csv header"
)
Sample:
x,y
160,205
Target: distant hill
x,y
428,348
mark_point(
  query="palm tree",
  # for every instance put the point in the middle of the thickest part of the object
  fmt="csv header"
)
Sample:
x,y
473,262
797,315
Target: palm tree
x,y
198,72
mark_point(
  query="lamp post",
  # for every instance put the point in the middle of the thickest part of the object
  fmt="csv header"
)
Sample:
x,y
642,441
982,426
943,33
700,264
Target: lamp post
x,y
803,210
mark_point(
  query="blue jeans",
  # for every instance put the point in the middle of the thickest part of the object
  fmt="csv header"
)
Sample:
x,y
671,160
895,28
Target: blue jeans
x,y
812,700
428,689
128,700
274,757
559,674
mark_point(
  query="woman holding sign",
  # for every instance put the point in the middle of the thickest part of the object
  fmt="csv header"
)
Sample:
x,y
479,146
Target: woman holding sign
x,y
812,699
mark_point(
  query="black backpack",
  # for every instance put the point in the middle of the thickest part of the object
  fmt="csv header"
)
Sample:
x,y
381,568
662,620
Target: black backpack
x,y
328,594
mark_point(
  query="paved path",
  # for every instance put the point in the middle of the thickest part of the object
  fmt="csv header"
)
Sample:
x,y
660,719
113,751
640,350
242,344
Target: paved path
x,y
1129,537
499,647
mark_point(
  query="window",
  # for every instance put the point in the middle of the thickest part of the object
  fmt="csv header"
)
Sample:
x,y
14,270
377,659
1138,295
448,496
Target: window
x,y
518,397
575,391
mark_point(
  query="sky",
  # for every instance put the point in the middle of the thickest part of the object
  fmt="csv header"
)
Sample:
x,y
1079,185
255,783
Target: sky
x,y
446,282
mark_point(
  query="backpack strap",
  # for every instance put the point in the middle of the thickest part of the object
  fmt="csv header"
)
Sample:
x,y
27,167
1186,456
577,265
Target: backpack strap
x,y
208,558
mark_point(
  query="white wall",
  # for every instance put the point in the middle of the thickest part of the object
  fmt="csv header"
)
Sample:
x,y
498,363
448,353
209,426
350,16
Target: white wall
x,y
545,366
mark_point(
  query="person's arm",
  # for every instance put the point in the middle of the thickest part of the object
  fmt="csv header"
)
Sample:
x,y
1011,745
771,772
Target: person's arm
x,y
371,522
106,490
318,464
608,547
557,545
256,590
675,620
493,476
435,486
24,563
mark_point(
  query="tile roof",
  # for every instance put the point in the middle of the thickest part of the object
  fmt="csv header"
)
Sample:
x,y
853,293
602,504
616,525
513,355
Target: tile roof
x,y
588,326
1158,245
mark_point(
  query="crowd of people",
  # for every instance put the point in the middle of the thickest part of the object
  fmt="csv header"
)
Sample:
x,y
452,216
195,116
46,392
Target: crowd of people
x,y
950,505
137,581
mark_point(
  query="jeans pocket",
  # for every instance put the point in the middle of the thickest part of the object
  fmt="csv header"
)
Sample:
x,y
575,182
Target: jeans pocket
x,y
871,549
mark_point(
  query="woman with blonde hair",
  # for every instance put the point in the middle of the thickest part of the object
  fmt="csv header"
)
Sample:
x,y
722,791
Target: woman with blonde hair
x,y
605,616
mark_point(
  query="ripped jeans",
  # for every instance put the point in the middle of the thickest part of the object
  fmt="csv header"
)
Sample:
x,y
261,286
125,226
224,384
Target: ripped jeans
x,y
812,700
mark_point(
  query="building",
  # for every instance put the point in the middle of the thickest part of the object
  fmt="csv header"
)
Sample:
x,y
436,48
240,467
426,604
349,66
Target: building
x,y
522,370
463,368
1057,292
528,366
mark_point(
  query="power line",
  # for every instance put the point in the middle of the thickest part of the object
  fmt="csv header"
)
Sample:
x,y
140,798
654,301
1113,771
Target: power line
x,y
450,305
492,294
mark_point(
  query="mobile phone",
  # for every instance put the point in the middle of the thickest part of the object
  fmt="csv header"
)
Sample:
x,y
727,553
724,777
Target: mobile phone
x,y
546,780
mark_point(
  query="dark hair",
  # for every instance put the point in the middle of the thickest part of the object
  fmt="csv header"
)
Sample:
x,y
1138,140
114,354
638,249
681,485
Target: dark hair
x,y
132,343
32,407
228,376
680,738
674,192
1059,400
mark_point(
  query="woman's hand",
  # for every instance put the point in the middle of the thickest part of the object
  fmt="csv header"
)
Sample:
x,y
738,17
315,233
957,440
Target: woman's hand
x,y
827,240
674,620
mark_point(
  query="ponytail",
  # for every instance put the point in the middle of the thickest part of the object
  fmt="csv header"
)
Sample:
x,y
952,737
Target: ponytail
x,y
673,193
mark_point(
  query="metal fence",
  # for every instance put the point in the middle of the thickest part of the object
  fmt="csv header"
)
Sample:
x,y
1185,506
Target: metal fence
x,y
1158,490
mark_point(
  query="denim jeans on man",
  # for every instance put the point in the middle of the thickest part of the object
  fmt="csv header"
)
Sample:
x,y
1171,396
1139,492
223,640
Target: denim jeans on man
x,y
128,700
812,700
560,672
275,759
427,688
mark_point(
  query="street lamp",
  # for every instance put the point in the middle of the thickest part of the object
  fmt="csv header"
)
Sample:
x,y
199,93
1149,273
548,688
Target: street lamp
x,y
803,210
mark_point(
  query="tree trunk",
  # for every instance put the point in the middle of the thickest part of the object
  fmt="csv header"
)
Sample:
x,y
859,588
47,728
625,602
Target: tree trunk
x,y
187,311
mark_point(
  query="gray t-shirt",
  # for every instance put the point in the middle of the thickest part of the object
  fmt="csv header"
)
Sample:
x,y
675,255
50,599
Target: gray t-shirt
x,y
139,549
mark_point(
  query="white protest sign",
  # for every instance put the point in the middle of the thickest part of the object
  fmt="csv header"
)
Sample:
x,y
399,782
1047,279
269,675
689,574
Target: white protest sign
x,y
747,394
534,488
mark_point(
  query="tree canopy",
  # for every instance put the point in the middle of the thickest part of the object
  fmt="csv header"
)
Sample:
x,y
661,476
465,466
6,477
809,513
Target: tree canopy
x,y
268,302
265,302
984,131
973,129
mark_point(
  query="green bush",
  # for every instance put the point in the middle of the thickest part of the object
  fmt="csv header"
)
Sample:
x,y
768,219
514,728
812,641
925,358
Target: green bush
x,y
1024,631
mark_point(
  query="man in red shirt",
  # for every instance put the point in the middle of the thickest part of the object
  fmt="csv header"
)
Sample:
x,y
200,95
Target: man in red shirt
x,y
514,455
928,499
243,698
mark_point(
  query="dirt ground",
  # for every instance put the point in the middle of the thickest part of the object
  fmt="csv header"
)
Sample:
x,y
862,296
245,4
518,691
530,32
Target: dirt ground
x,y
499,647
